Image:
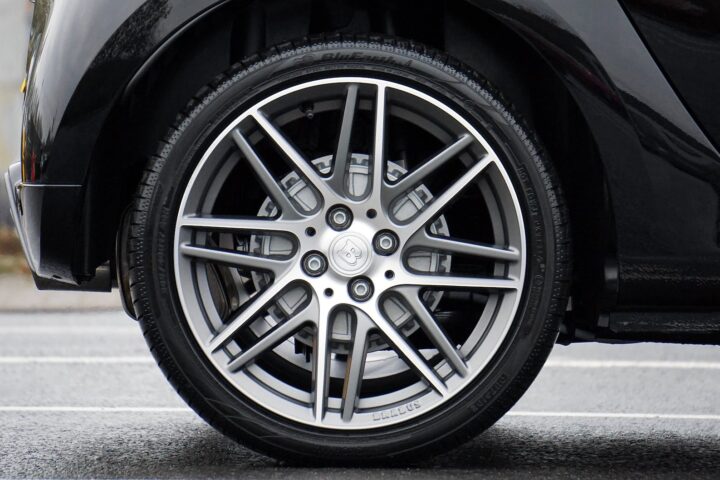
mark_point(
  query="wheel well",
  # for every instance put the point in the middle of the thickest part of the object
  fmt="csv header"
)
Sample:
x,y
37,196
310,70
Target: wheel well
x,y
237,30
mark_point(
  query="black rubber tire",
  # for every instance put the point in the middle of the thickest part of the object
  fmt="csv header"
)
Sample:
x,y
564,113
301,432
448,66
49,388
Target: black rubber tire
x,y
156,301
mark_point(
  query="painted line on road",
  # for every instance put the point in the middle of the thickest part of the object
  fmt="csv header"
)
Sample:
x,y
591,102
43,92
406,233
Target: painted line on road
x,y
62,409
74,360
68,330
612,415
558,363
659,364
586,415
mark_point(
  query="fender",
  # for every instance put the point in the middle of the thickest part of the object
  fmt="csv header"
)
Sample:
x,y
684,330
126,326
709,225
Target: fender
x,y
76,73
75,77
651,147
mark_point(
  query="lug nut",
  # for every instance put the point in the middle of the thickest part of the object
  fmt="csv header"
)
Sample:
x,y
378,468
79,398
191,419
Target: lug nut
x,y
361,289
386,243
339,218
314,264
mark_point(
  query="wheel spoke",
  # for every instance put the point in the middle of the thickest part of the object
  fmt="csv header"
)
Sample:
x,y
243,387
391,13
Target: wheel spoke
x,y
355,369
296,158
321,364
461,282
433,329
424,240
221,223
442,201
235,258
342,154
413,358
256,305
278,334
378,158
412,179
273,188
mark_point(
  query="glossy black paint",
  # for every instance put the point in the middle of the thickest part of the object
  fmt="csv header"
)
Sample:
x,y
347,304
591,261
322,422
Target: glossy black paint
x,y
77,71
661,168
684,36
656,157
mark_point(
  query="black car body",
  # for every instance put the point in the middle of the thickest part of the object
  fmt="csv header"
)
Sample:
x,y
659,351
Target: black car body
x,y
624,91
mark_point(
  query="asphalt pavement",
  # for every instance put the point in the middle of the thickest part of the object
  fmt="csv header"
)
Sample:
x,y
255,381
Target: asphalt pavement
x,y
80,397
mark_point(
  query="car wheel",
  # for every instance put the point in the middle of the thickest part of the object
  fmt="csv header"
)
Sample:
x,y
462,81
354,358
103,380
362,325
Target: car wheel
x,y
349,249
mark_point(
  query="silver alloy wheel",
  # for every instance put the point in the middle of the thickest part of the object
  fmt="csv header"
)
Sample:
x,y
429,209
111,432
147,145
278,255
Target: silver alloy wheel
x,y
334,342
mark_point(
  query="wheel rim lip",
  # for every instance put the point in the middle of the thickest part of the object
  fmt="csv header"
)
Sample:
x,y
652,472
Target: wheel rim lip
x,y
495,336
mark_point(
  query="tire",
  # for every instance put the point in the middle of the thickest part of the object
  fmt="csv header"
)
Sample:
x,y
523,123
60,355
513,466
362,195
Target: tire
x,y
176,338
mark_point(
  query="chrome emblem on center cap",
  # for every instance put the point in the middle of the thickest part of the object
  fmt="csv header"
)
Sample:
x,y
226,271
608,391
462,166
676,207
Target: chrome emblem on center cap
x,y
349,254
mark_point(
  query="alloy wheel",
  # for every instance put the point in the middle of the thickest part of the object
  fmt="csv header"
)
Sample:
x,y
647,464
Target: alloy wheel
x,y
359,285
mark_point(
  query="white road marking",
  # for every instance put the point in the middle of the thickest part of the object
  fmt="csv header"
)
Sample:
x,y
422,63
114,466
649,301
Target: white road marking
x,y
638,416
552,363
658,364
74,360
69,409
587,415
67,330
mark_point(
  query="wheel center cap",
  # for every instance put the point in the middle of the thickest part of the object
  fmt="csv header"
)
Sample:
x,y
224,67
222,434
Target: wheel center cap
x,y
350,254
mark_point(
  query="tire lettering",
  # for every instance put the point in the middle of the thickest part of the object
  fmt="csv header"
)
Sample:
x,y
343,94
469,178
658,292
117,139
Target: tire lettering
x,y
397,411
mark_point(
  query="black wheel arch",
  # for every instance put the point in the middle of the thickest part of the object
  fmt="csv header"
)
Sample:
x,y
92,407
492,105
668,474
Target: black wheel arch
x,y
191,59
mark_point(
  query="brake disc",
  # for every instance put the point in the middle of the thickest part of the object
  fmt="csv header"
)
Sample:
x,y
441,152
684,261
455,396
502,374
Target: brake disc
x,y
275,245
